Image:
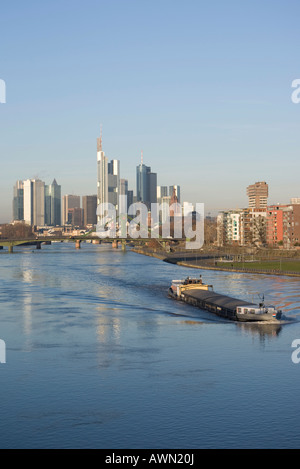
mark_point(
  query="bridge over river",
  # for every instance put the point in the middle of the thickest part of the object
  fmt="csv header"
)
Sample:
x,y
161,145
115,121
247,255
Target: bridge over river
x,y
39,240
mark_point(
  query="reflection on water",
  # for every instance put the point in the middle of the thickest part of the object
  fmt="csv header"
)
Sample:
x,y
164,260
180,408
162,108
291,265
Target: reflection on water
x,y
108,330
98,355
260,329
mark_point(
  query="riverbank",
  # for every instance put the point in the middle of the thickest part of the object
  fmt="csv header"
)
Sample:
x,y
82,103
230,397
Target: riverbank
x,y
206,262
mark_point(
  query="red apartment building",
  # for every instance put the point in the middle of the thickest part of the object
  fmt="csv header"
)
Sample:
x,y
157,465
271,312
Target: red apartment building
x,y
283,225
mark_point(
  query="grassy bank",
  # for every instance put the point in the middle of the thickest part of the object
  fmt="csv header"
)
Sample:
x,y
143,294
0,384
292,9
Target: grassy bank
x,y
284,266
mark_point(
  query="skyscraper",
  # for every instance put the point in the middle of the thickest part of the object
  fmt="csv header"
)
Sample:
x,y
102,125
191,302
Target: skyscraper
x,y
102,177
18,201
258,195
152,188
124,195
114,183
162,191
53,204
69,201
75,217
34,202
89,205
146,184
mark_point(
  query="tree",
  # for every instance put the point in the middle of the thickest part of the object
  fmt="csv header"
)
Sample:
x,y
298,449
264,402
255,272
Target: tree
x,y
16,231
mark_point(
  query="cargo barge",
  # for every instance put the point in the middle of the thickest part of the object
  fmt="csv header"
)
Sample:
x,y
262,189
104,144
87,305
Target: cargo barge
x,y
194,292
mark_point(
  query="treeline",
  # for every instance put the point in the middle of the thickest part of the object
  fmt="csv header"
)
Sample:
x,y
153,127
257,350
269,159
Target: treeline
x,y
16,231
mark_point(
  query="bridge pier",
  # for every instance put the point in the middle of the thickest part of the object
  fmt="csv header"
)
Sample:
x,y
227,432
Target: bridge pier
x,y
115,244
1,247
123,245
77,244
10,248
38,245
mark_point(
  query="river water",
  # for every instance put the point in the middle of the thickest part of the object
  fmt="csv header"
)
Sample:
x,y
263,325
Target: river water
x,y
98,356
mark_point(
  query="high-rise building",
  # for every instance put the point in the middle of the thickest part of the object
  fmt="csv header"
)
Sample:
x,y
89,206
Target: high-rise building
x,y
142,172
253,227
89,205
283,225
53,204
114,183
131,199
18,201
258,195
75,217
102,177
152,188
228,227
124,196
34,202
69,201
162,191
146,185
295,200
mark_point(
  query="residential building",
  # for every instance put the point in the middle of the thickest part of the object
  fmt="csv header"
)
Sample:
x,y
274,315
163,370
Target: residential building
x,y
228,227
258,195
294,229
283,225
253,227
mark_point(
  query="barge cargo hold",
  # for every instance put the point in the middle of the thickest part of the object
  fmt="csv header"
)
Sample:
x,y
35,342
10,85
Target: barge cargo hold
x,y
196,293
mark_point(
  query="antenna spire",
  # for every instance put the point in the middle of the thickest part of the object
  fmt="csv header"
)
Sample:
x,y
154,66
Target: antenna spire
x,y
99,140
142,158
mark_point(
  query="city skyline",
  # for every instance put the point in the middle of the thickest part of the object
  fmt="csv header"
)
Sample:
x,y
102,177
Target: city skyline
x,y
109,171
215,97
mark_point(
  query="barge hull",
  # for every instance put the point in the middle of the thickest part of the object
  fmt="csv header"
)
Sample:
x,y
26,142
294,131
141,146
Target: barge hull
x,y
221,305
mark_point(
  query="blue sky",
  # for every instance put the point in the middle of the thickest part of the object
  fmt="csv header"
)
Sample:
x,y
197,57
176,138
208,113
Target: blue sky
x,y
203,88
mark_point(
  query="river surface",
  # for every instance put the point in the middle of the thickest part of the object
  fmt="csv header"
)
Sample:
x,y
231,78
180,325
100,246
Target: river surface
x,y
98,356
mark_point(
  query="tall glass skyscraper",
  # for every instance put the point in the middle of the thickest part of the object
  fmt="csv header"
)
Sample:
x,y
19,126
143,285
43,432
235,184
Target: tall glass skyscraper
x,y
18,201
102,178
146,185
53,204
114,183
34,202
